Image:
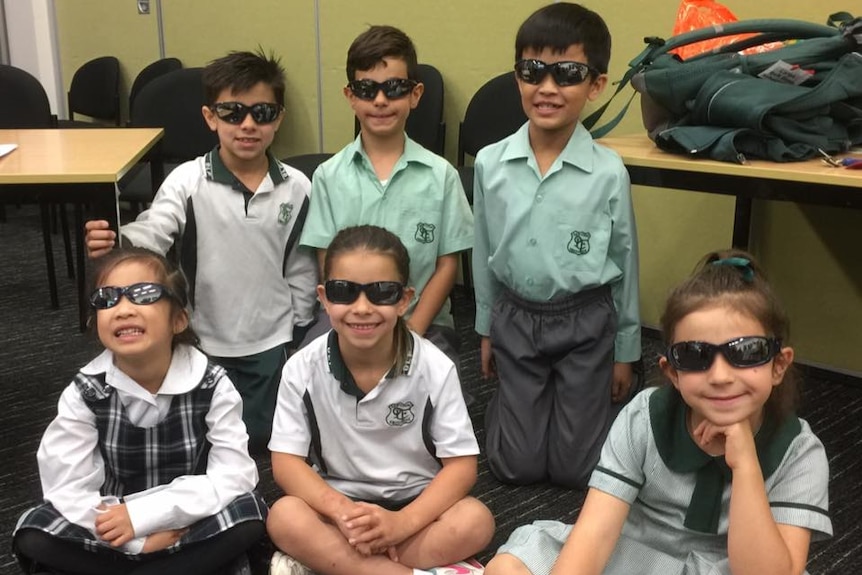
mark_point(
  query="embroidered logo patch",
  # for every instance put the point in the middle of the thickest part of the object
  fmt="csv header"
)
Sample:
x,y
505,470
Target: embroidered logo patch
x,y
579,243
424,233
284,213
400,413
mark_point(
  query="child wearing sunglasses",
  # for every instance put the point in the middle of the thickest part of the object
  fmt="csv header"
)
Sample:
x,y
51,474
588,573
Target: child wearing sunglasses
x,y
235,215
371,442
713,474
384,178
555,262
145,468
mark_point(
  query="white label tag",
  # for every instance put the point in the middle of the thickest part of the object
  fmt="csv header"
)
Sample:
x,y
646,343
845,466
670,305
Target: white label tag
x,y
786,73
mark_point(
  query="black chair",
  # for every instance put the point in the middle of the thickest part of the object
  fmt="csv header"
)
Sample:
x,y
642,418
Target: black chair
x,y
425,124
95,92
493,113
306,163
25,105
172,101
150,73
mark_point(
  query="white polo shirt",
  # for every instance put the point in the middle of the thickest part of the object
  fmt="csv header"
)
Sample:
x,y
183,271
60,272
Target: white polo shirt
x,y
383,445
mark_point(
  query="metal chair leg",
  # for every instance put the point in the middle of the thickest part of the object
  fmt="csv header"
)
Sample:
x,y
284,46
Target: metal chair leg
x,y
44,211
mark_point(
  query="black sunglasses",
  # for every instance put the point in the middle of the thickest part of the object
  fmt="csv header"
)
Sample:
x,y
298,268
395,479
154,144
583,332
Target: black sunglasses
x,y
378,293
394,88
749,351
564,73
235,113
139,294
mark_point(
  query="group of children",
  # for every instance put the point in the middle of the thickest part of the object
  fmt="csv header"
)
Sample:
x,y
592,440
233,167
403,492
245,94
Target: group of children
x,y
146,467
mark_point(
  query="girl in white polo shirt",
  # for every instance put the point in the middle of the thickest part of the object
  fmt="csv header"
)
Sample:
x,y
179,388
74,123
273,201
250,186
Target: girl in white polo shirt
x,y
378,413
711,475
145,469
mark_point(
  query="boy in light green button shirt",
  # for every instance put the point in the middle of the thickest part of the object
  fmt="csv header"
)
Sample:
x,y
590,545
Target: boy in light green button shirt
x,y
386,179
555,262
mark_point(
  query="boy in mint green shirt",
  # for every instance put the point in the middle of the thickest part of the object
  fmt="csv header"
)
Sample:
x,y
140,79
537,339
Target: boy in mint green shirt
x,y
386,179
555,262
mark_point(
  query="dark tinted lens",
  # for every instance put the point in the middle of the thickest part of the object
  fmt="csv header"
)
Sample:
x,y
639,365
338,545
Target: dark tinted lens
x,y
144,293
749,351
341,291
393,89
691,355
569,73
235,113
531,71
105,297
384,293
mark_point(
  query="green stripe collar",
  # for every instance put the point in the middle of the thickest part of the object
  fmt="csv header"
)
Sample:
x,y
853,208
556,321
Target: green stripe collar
x,y
668,414
340,372
216,170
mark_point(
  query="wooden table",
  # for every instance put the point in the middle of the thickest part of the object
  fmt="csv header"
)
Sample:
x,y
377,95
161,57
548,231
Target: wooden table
x,y
72,166
810,182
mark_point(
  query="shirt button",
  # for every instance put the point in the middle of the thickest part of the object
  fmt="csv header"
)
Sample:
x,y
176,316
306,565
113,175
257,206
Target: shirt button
x,y
539,199
532,241
529,281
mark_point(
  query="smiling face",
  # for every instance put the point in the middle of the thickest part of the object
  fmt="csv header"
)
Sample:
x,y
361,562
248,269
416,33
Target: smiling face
x,y
552,109
724,394
243,146
362,326
138,334
382,117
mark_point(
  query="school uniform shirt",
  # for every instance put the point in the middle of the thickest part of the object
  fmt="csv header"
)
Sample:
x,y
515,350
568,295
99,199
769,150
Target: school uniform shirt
x,y
72,469
249,283
422,202
383,445
543,237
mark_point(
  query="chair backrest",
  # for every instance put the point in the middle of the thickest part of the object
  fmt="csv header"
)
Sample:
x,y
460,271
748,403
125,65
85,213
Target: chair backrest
x,y
173,101
95,90
493,113
306,163
23,101
149,73
425,124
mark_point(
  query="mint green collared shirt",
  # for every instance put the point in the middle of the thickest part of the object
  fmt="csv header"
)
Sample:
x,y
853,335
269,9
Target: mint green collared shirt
x,y
545,237
422,202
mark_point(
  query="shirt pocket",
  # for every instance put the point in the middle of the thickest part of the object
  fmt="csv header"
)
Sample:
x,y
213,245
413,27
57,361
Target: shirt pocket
x,y
581,244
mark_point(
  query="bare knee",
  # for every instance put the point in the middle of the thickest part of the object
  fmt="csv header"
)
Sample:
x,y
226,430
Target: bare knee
x,y
506,564
288,519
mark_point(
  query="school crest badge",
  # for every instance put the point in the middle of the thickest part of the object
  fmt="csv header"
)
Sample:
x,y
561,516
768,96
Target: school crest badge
x,y
284,213
400,413
424,233
579,243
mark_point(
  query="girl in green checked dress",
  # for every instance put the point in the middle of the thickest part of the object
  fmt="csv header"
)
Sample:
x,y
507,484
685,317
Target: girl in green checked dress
x,y
711,475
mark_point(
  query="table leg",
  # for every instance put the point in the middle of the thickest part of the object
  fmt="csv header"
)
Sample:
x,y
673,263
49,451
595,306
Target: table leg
x,y
741,223
45,213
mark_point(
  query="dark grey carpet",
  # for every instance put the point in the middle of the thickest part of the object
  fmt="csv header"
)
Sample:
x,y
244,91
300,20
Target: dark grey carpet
x,y
40,349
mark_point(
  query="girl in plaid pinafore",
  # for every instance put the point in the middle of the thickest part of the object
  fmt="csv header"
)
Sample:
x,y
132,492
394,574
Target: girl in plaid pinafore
x,y
145,469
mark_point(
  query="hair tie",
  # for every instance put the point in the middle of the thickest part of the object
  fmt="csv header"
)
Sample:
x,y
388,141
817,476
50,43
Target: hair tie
x,y
742,264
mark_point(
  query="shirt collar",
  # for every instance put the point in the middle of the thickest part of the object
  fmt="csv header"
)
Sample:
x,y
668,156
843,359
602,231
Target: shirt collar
x,y
578,150
679,452
187,368
413,152
342,374
217,172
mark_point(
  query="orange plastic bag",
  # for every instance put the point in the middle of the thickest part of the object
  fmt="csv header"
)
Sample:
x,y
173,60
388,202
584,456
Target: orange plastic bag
x,y
694,14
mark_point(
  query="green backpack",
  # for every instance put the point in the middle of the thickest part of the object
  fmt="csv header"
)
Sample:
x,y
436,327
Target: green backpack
x,y
782,105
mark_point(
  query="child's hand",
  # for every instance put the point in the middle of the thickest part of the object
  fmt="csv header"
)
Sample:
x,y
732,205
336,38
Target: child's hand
x,y
114,525
489,367
99,239
736,441
375,529
621,382
162,539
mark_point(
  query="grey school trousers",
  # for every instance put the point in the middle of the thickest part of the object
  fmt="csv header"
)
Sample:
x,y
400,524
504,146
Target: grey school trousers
x,y
552,409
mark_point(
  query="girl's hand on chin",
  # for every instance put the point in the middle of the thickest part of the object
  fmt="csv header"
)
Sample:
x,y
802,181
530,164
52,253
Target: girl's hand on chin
x,y
735,441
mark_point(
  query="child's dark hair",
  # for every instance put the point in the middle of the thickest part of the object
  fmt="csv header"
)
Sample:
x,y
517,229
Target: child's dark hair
x,y
242,71
166,274
381,241
562,24
733,278
379,42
